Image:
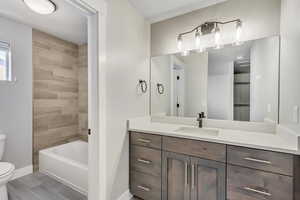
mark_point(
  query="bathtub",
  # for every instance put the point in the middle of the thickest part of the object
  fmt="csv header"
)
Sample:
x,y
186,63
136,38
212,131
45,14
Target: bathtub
x,y
67,163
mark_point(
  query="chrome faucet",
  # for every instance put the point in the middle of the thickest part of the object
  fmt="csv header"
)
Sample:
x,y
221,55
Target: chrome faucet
x,y
200,119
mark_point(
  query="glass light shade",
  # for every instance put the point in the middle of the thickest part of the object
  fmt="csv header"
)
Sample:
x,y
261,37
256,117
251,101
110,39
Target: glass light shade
x,y
218,37
43,7
197,39
238,32
179,42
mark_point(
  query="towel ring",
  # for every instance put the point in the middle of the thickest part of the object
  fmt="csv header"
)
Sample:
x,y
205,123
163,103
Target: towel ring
x,y
160,88
143,85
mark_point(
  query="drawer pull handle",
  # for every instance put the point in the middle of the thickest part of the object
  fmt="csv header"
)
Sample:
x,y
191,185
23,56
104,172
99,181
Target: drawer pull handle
x,y
144,188
186,174
258,160
193,176
144,161
144,140
257,191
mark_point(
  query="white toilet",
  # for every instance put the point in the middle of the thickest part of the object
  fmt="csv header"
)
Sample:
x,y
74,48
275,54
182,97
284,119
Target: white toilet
x,y
6,170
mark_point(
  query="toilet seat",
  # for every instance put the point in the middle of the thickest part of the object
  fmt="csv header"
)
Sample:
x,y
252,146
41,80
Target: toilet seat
x,y
6,168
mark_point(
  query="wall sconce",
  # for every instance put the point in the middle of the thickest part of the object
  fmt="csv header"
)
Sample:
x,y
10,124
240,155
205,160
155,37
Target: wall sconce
x,y
208,28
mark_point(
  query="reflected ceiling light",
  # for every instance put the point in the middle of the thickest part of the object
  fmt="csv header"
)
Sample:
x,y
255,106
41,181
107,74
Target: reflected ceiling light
x,y
179,42
238,32
201,50
43,7
208,28
185,53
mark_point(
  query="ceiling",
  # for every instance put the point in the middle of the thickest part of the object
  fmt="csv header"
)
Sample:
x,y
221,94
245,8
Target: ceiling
x,y
67,22
158,10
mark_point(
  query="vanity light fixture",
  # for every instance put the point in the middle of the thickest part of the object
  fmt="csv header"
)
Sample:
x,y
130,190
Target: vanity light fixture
x,y
43,7
208,28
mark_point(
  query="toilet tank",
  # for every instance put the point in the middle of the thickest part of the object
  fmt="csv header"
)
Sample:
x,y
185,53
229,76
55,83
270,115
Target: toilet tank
x,y
2,145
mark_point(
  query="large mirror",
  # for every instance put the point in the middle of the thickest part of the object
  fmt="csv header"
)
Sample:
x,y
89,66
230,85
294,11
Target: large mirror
x,y
231,83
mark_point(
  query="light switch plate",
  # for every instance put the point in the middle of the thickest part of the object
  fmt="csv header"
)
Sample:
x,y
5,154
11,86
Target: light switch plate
x,y
296,114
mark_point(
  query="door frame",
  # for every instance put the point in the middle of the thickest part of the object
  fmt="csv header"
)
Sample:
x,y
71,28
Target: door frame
x,y
95,11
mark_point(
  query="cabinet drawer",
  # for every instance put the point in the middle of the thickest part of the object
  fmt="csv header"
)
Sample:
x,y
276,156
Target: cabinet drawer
x,y
251,184
258,159
147,140
145,160
145,186
207,150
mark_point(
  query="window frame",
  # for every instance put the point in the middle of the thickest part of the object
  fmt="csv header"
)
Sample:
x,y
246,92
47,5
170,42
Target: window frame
x,y
7,47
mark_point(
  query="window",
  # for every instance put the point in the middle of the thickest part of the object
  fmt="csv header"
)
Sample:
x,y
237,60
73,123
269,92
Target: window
x,y
5,62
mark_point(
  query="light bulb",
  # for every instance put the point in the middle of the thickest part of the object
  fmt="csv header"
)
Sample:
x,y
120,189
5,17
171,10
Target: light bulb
x,y
197,39
179,42
217,37
238,32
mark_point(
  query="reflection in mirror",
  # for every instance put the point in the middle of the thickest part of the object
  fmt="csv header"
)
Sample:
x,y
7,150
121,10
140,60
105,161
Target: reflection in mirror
x,y
233,83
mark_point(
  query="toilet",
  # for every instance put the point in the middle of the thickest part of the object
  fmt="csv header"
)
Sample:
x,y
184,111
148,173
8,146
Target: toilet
x,y
6,171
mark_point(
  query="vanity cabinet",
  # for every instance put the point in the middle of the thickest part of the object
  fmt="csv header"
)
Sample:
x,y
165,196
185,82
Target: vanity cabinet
x,y
208,179
145,166
172,168
186,177
176,177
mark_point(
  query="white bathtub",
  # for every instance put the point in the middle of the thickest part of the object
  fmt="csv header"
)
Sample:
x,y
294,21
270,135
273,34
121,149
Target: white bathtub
x,y
67,163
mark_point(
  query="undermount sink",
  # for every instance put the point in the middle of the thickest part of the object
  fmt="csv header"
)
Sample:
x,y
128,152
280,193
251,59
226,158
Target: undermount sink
x,y
202,131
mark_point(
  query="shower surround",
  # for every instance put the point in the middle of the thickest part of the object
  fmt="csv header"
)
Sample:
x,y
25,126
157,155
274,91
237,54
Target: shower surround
x,y
60,101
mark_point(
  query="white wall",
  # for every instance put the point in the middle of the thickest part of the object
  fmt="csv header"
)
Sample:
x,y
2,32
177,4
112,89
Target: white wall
x,y
260,18
128,54
264,59
196,66
220,90
290,62
16,98
160,73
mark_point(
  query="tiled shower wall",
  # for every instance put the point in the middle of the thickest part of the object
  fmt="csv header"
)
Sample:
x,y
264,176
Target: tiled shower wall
x,y
58,81
83,90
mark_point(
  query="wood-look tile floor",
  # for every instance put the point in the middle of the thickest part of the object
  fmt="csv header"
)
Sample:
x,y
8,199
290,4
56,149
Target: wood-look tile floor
x,y
38,186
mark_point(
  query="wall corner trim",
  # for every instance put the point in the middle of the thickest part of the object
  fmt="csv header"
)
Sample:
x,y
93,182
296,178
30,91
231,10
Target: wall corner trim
x,y
18,173
125,196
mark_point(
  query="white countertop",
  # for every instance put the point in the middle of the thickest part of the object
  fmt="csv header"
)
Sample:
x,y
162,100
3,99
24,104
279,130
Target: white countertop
x,y
279,141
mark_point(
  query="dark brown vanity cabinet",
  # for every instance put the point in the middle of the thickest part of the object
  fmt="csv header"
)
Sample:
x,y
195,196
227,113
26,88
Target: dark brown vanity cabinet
x,y
189,178
176,176
171,168
208,179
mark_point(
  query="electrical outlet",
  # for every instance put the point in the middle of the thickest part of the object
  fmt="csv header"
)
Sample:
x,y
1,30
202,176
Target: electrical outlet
x,y
296,114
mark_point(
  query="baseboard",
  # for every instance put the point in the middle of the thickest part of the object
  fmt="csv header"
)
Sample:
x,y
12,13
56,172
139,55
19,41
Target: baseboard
x,y
64,181
125,196
18,173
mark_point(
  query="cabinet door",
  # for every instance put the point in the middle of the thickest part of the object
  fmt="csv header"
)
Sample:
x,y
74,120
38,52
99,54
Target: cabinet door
x,y
175,177
207,180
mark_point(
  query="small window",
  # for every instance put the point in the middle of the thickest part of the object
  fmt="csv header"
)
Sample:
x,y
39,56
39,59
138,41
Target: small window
x,y
5,62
